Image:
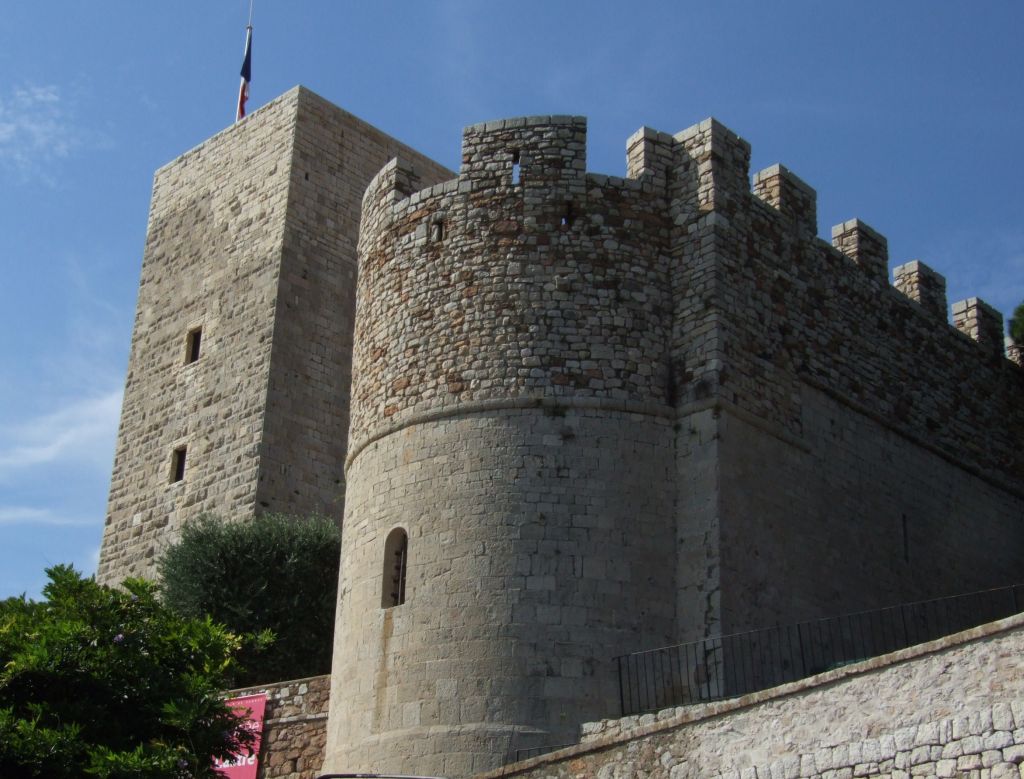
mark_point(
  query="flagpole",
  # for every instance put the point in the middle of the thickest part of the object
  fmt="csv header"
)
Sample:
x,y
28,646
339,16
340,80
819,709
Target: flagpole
x,y
250,12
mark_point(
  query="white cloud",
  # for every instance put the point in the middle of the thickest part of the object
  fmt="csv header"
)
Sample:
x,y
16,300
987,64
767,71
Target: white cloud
x,y
10,515
82,431
36,128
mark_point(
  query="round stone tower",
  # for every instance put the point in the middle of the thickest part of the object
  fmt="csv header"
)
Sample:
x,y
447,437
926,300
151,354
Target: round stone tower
x,y
509,513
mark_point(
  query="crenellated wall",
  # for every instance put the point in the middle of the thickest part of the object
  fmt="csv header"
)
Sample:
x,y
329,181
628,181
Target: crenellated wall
x,y
510,413
555,287
606,413
863,450
611,413
795,309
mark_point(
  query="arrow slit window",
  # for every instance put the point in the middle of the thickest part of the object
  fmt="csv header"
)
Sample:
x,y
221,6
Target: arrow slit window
x,y
178,464
396,560
193,343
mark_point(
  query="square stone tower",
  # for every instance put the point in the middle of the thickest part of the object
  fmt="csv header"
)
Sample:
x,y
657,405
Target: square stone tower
x,y
236,399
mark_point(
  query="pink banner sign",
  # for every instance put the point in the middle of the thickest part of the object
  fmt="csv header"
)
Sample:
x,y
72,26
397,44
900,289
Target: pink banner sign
x,y
243,765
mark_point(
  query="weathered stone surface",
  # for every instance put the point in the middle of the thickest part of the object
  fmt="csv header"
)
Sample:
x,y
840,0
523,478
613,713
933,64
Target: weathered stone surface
x,y
610,413
294,727
512,321
923,285
817,727
252,237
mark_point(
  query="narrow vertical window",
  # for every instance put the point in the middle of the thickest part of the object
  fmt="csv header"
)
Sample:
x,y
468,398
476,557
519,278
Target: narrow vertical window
x,y
178,464
568,215
437,231
193,344
515,167
396,560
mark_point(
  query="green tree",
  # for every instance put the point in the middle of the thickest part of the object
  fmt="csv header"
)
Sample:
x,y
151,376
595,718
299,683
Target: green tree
x,y
1017,325
273,573
97,681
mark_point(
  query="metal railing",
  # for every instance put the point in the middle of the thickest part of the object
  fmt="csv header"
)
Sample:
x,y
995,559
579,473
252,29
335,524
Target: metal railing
x,y
733,665
527,753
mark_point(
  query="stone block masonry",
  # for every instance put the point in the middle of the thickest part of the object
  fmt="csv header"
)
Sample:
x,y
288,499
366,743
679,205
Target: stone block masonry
x,y
251,244
510,353
950,708
788,350
524,526
606,412
568,415
294,727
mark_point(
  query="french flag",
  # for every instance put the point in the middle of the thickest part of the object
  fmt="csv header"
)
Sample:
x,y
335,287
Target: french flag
x,y
243,90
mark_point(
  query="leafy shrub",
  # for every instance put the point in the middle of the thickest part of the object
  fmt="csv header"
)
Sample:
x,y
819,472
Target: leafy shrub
x,y
110,683
1017,325
274,573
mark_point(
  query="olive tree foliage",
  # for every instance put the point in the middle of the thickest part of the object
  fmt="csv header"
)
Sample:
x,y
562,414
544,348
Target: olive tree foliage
x,y
1017,325
272,573
97,681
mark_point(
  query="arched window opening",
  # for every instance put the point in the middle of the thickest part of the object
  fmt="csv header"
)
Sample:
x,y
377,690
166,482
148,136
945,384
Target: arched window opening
x,y
396,560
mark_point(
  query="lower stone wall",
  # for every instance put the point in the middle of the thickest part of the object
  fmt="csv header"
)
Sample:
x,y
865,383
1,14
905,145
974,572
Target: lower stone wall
x,y
950,708
294,727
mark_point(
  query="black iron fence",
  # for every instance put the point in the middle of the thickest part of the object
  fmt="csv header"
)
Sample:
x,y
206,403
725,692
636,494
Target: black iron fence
x,y
526,754
733,665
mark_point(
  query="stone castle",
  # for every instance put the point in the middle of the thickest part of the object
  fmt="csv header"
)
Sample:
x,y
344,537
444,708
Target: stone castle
x,y
563,415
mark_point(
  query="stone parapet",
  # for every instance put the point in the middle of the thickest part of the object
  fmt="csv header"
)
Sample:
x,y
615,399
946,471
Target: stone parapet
x,y
1014,352
650,155
713,169
795,200
924,286
866,247
551,152
979,321
482,288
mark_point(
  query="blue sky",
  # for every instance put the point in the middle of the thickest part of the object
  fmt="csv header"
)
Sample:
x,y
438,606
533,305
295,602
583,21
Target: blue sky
x,y
908,115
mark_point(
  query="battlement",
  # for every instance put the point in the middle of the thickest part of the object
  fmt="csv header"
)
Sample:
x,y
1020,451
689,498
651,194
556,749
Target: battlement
x,y
523,193
523,241
650,154
703,169
544,155
924,286
795,200
594,413
982,323
1015,352
575,336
